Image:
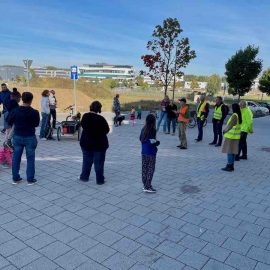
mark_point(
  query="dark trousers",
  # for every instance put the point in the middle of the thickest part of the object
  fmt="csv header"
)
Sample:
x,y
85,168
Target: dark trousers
x,y
243,144
53,116
115,120
29,144
200,129
217,129
148,169
90,157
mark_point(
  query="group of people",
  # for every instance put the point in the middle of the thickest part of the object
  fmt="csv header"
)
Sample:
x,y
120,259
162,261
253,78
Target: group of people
x,y
22,121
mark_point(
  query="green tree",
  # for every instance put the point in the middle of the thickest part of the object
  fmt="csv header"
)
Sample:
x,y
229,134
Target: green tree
x,y
242,69
213,84
33,74
194,84
264,82
169,53
179,84
109,83
51,67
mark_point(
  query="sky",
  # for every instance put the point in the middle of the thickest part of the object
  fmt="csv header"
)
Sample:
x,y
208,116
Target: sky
x,y
65,32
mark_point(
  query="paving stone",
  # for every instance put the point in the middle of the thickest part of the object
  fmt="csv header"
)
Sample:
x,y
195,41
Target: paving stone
x,y
215,252
250,227
5,236
259,254
54,250
172,235
11,247
91,265
108,237
23,257
53,227
262,266
146,256
213,237
40,241
71,260
150,240
15,225
3,262
154,227
132,232
41,264
256,240
232,232
100,253
170,249
126,246
215,265
115,225
237,246
240,262
119,261
137,220
166,263
92,229
193,259
139,266
83,243
173,222
212,225
67,235
193,230
193,243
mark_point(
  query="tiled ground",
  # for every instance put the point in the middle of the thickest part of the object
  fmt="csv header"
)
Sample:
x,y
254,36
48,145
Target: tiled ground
x,y
201,217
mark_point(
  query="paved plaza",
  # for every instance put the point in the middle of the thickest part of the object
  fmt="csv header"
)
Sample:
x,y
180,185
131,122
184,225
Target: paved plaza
x,y
200,218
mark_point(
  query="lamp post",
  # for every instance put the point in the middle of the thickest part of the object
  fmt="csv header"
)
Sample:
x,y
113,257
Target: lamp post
x,y
27,64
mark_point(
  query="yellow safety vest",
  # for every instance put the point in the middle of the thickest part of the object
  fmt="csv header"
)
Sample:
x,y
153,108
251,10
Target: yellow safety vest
x,y
235,132
218,112
201,109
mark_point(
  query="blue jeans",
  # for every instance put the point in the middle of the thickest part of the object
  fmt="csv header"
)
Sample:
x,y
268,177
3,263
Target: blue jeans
x,y
30,145
173,121
43,125
90,157
200,129
231,158
162,115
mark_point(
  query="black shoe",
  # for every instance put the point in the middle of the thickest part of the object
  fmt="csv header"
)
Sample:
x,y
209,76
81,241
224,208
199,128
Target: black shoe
x,y
217,145
179,146
183,148
237,158
149,190
197,140
212,143
243,157
228,168
101,183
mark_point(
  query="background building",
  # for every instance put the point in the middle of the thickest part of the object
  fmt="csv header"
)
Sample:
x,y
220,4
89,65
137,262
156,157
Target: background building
x,y
9,73
52,73
103,71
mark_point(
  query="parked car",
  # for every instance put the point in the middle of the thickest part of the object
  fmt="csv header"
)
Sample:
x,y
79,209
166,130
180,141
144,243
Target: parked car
x,y
264,104
257,109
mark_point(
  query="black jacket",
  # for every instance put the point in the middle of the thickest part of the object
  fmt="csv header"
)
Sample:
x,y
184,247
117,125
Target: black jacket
x,y
223,111
95,130
170,108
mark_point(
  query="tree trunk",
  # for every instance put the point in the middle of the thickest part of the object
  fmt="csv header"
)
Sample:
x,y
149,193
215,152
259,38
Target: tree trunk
x,y
262,97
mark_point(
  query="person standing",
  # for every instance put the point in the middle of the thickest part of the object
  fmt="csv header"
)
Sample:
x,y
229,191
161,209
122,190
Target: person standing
x,y
202,113
116,109
220,113
246,128
52,104
232,136
183,120
4,99
171,110
94,143
25,120
149,152
45,112
163,113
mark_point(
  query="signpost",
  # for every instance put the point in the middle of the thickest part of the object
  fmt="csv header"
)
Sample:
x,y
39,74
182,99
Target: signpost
x,y
74,77
27,64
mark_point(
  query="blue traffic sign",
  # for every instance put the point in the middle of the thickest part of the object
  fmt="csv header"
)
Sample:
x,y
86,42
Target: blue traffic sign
x,y
74,73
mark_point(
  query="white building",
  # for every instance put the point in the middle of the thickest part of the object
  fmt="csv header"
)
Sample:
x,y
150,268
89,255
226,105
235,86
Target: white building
x,y
201,85
52,73
103,71
148,80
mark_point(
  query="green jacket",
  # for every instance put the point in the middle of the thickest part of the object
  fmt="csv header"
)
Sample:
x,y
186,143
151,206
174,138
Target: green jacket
x,y
247,120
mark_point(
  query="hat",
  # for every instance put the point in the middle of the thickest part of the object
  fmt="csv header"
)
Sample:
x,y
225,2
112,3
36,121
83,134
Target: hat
x,y
183,100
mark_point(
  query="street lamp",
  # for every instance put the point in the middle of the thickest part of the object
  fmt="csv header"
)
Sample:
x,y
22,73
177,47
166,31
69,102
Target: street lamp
x,y
27,64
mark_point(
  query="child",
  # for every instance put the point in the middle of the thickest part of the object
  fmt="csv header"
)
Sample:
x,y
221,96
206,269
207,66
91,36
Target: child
x,y
5,157
13,103
139,112
149,152
132,116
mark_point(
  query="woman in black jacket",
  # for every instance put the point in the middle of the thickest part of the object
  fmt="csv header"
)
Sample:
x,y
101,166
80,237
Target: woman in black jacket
x,y
94,143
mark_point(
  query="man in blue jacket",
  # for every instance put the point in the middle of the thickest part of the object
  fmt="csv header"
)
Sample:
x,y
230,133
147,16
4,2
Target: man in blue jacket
x,y
4,99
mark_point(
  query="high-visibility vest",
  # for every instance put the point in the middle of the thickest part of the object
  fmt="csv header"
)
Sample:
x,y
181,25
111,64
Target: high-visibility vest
x,y
218,112
235,132
200,109
183,111
247,120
